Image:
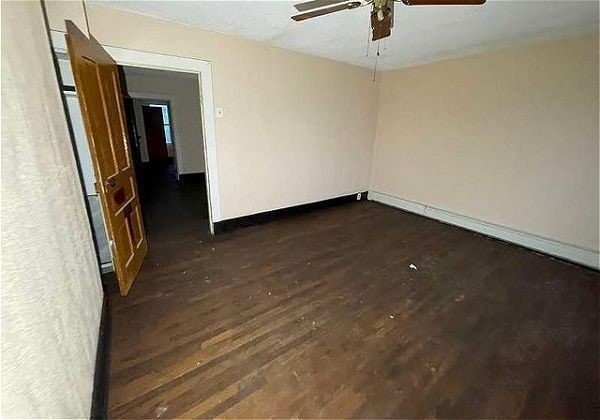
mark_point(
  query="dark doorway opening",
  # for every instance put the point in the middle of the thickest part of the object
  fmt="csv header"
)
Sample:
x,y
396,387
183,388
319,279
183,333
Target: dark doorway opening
x,y
158,131
174,205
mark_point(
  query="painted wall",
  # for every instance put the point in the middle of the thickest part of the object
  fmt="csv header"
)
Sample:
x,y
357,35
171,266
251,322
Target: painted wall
x,y
296,128
51,291
508,137
184,90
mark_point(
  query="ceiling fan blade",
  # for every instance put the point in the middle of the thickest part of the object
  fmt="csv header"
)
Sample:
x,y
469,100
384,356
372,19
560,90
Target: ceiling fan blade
x,y
308,5
443,2
326,11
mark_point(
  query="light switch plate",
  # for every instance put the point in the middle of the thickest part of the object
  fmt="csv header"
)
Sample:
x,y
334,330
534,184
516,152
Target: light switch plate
x,y
219,112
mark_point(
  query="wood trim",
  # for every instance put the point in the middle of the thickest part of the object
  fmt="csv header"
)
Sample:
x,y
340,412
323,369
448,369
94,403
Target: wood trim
x,y
269,216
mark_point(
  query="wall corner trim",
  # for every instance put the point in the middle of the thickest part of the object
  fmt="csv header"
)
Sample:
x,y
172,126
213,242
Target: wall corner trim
x,y
558,249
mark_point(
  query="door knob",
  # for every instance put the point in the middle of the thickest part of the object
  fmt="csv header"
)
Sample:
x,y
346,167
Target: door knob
x,y
110,182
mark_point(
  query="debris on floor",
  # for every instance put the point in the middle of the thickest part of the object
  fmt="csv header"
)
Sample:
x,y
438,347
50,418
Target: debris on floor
x,y
160,410
431,367
459,298
413,267
392,316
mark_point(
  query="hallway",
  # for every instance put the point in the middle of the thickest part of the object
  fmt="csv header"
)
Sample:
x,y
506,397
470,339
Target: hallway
x,y
173,211
320,315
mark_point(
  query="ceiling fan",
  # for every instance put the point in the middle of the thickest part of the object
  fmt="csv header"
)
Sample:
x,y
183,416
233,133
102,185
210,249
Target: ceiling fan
x,y
382,12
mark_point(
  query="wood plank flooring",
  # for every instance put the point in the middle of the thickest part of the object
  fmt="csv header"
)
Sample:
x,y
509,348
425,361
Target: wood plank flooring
x,y
320,315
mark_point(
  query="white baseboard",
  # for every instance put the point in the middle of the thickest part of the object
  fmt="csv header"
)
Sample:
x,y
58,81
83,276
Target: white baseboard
x,y
569,252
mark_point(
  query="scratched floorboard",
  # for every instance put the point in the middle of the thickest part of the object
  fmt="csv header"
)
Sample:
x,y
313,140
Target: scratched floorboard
x,y
319,315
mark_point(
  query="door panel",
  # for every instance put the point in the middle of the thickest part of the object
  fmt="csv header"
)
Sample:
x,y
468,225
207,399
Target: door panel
x,y
111,94
98,88
98,128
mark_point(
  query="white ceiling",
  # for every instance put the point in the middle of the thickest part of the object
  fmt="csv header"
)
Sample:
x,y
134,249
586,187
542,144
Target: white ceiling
x,y
420,34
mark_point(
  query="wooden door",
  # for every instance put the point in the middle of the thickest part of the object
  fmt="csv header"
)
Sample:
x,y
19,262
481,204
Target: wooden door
x,y
155,134
98,89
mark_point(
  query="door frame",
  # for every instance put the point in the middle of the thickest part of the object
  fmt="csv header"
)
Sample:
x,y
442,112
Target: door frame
x,y
128,57
148,98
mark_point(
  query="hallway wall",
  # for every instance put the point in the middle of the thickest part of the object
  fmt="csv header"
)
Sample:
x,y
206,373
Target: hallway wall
x,y
183,88
51,291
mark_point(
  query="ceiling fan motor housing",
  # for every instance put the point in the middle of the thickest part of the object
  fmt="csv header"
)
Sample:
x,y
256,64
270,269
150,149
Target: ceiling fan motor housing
x,y
382,12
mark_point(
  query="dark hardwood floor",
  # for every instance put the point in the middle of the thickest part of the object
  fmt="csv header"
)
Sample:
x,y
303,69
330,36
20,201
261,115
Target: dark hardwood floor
x,y
320,315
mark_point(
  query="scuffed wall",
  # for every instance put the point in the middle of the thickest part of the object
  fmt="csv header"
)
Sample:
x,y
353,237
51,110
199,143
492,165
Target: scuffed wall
x,y
51,291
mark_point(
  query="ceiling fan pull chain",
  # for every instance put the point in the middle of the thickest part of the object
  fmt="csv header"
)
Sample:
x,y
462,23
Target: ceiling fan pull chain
x,y
376,60
368,38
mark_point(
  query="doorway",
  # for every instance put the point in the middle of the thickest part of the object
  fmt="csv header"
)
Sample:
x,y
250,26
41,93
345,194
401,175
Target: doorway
x,y
166,138
202,71
199,214
157,125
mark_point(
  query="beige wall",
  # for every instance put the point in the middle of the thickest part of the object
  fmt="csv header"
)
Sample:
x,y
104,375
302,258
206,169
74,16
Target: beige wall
x,y
51,292
508,137
296,128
